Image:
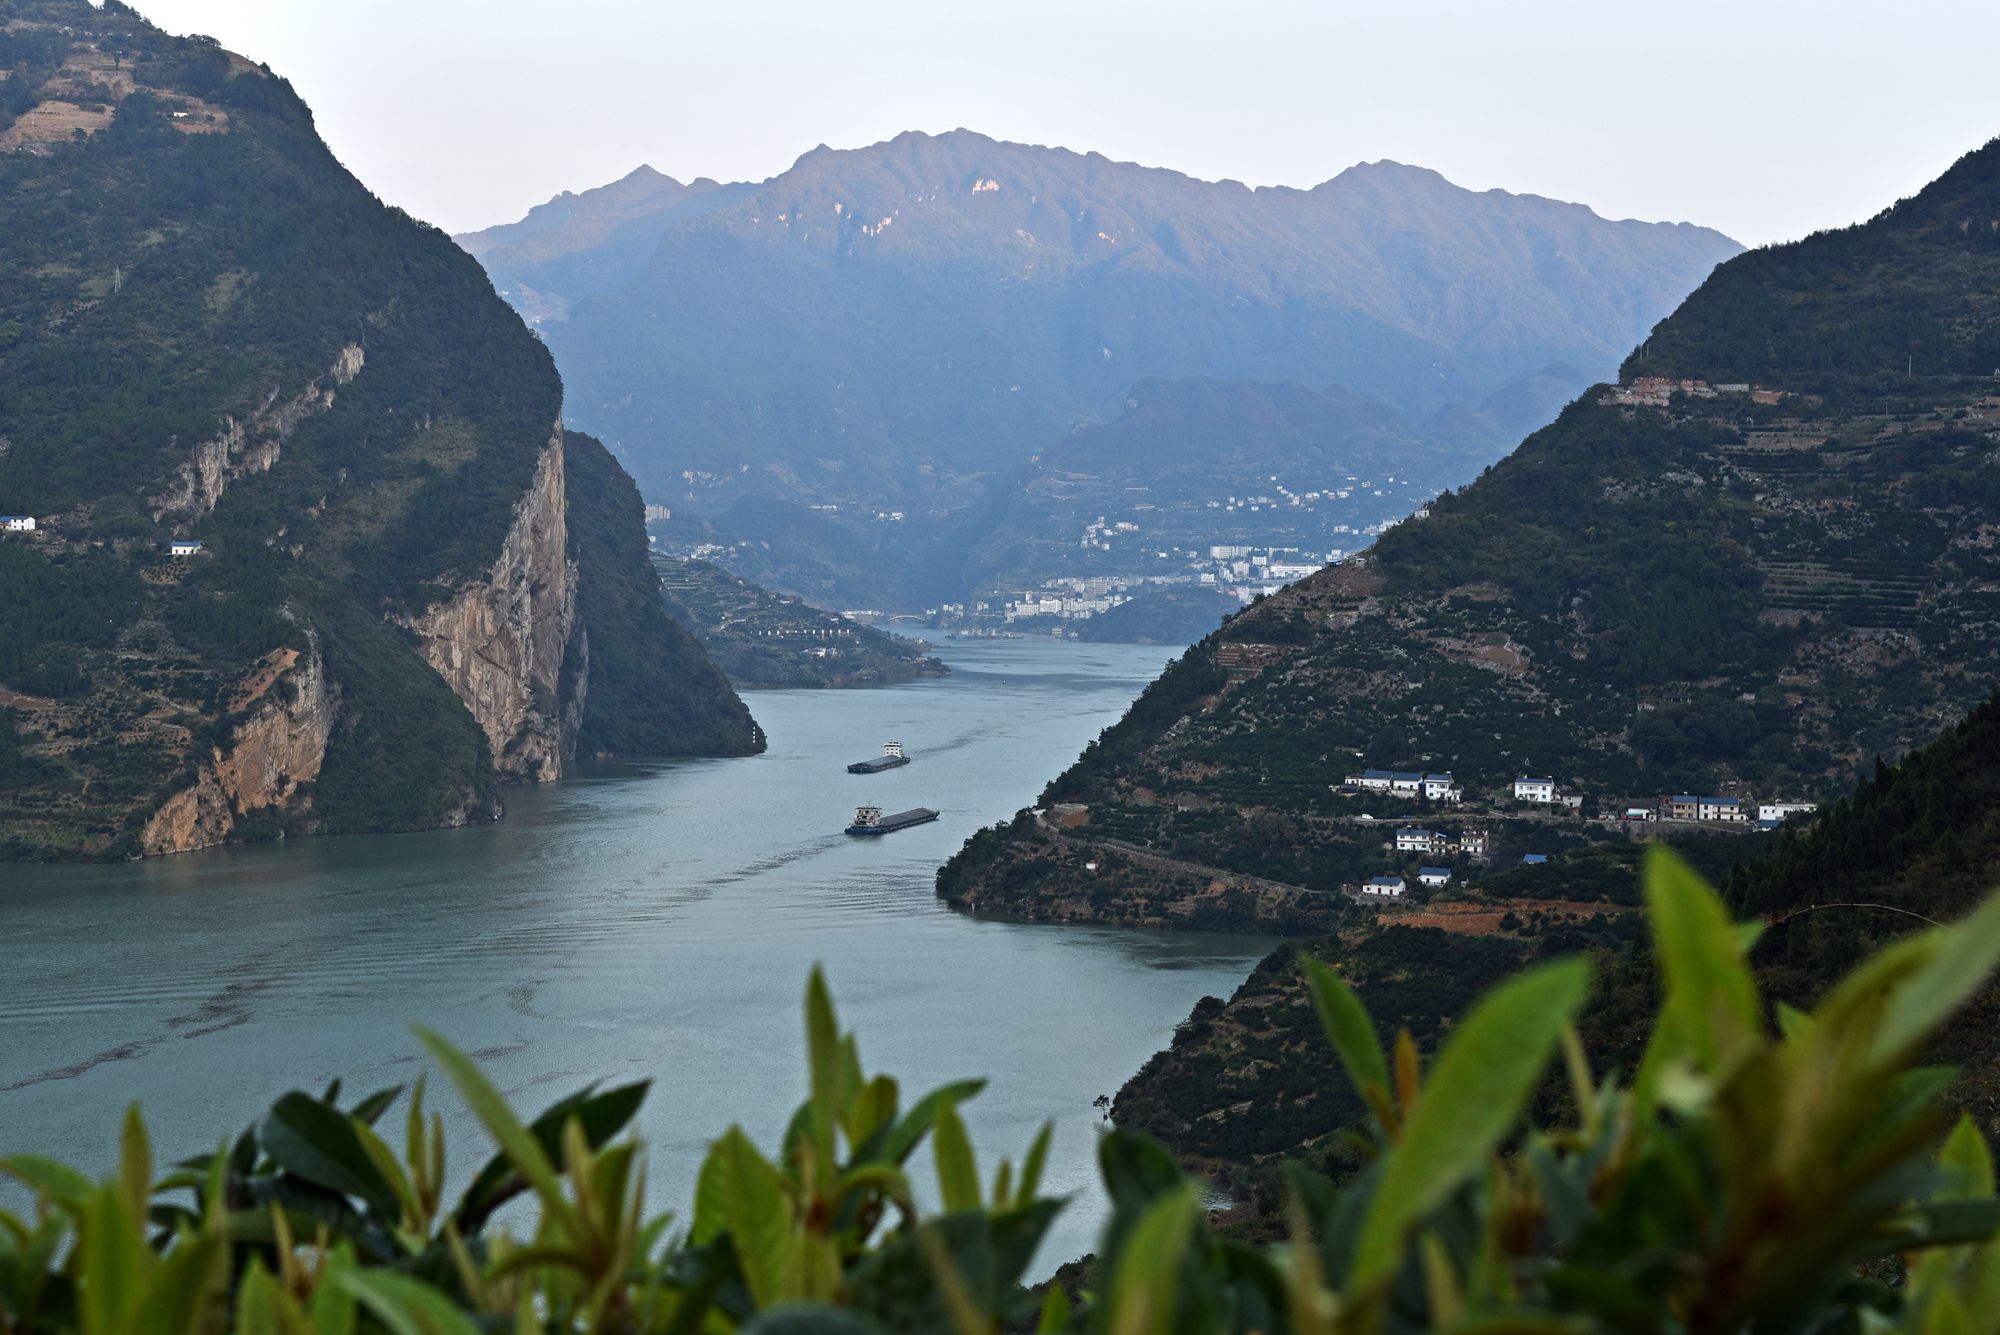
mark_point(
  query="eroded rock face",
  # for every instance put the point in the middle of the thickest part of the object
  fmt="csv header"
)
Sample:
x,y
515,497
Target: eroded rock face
x,y
251,445
279,744
500,643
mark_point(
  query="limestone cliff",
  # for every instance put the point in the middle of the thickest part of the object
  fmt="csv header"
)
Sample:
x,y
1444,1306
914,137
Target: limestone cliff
x,y
284,716
500,642
251,445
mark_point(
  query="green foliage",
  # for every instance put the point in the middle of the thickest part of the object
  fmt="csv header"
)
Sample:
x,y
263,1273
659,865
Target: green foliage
x,y
1750,1179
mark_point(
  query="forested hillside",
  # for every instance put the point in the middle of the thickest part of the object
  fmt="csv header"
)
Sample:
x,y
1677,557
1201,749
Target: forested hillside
x,y
212,335
1747,581
1917,842
652,689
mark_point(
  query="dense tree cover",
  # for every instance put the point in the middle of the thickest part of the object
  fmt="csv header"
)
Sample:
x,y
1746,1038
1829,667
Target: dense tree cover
x,y
1853,313
1917,842
760,639
1746,1176
201,269
651,690
404,754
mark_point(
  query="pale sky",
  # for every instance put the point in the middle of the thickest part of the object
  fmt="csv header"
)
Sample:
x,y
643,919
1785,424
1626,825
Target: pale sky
x,y
1765,118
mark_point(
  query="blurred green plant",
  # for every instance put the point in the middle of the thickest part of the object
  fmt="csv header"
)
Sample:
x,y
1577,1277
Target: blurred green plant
x,y
1784,1172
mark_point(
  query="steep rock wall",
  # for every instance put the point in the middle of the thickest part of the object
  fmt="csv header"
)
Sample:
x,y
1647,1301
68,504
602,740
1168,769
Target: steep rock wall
x,y
500,642
251,445
278,744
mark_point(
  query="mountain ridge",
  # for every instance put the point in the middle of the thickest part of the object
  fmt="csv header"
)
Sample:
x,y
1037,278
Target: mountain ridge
x,y
895,328
1743,588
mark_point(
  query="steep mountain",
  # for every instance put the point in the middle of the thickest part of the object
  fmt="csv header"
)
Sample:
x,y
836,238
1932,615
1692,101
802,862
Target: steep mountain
x,y
303,551
648,686
1916,842
1172,616
578,245
772,641
1744,580
894,329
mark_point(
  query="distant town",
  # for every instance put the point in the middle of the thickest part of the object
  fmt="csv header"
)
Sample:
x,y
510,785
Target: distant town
x,y
1241,545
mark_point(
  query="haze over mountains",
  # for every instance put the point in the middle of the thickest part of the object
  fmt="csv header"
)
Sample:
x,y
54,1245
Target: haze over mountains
x,y
902,328
1762,558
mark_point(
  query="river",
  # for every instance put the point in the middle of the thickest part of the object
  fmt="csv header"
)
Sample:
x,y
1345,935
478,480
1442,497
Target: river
x,y
638,920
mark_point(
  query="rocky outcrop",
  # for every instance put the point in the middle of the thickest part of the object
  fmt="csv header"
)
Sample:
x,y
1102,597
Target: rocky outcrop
x,y
284,716
500,643
251,445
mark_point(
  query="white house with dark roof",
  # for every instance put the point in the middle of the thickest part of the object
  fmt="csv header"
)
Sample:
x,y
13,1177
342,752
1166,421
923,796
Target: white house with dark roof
x,y
1434,877
1440,788
1391,886
1413,840
1534,790
17,523
1722,809
183,547
1782,811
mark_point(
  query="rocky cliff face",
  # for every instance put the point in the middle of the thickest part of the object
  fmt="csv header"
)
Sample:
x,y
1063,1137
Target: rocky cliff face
x,y
500,643
251,445
278,743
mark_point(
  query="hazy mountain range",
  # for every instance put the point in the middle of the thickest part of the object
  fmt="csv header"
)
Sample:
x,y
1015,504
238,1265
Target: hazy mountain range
x,y
902,327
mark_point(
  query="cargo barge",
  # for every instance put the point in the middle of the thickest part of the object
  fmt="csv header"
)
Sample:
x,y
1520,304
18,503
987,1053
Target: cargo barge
x,y
870,820
892,756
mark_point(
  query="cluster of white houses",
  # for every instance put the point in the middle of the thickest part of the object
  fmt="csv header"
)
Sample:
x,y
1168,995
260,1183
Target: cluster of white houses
x,y
1726,810
1416,786
1679,806
1468,843
1410,784
1392,887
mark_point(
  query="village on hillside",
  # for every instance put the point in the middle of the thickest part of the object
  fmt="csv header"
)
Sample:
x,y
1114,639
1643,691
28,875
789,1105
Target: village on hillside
x,y
1473,844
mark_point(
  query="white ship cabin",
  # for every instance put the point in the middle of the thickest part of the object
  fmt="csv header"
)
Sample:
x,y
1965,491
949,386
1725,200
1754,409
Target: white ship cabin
x,y
894,750
1534,790
183,547
17,523
867,815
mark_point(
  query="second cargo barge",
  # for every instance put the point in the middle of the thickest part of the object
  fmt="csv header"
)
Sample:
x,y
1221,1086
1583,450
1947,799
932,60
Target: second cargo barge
x,y
892,756
870,820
